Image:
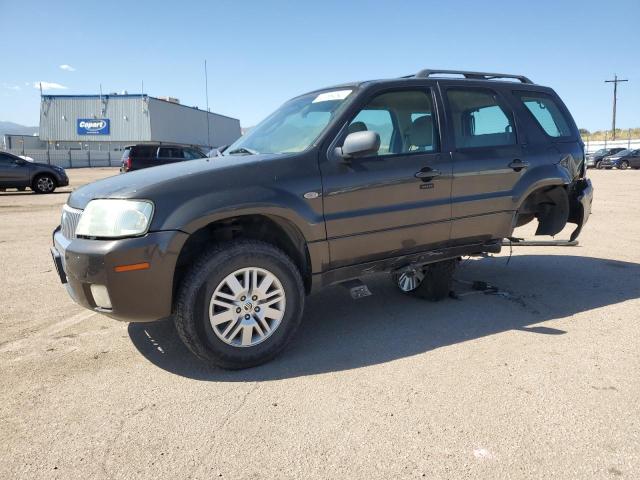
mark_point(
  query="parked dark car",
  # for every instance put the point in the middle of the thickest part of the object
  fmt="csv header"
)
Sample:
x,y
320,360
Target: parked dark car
x,y
137,157
16,172
594,159
402,176
624,159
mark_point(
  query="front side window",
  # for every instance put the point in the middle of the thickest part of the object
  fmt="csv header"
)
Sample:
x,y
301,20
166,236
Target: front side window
x,y
546,113
404,120
478,119
294,126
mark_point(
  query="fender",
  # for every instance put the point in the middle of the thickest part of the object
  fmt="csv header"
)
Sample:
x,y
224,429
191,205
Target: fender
x,y
202,210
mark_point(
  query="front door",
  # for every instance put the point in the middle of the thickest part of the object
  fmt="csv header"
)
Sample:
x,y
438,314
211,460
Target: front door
x,y
487,163
396,201
13,171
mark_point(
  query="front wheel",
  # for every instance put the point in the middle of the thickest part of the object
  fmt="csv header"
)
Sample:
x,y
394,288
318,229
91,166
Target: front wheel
x,y
240,304
44,184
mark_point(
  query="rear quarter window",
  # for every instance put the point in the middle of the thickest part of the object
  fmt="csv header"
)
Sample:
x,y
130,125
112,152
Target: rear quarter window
x,y
546,112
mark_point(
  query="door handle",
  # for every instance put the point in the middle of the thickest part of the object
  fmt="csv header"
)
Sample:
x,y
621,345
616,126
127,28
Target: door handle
x,y
427,173
518,165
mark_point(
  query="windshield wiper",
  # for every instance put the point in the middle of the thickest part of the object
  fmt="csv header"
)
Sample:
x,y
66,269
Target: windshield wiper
x,y
243,151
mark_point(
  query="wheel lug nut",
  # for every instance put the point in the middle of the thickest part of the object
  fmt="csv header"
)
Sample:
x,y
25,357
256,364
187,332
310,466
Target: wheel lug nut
x,y
238,310
243,298
247,317
257,309
254,298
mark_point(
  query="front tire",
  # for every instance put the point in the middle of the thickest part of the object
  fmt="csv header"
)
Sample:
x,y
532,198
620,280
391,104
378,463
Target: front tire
x,y
599,165
240,304
44,184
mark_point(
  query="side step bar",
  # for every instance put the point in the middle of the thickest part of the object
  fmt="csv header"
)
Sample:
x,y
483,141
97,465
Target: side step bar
x,y
521,242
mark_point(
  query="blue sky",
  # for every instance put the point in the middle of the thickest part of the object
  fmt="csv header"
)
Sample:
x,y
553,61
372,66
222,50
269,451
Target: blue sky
x,y
262,53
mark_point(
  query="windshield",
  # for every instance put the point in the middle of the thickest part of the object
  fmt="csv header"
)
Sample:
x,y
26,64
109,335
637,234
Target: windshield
x,y
602,151
294,126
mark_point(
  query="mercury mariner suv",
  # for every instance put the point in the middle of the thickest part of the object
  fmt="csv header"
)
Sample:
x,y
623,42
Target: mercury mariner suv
x,y
403,175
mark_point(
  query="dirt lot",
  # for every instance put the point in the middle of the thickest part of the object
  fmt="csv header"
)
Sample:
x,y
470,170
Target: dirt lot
x,y
541,381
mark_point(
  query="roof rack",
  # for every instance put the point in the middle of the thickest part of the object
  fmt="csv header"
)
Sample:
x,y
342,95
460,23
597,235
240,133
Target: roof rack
x,y
471,75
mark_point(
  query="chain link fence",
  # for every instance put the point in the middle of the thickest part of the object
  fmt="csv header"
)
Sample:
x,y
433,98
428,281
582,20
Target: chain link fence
x,y
71,158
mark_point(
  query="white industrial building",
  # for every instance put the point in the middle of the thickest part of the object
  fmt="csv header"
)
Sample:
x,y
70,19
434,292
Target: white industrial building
x,y
85,130
108,122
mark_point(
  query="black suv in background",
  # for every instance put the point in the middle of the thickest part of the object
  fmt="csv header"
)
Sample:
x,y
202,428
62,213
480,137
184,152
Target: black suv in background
x,y
622,160
16,172
401,175
595,159
137,157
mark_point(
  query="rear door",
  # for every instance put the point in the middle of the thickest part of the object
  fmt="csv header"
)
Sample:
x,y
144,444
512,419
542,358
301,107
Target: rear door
x,y
168,155
396,201
487,162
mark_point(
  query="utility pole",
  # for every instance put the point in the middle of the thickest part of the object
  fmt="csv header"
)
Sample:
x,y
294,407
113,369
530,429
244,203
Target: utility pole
x,y
615,82
206,92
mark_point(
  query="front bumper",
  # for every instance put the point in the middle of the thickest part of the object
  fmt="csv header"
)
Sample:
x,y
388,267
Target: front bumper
x,y
135,296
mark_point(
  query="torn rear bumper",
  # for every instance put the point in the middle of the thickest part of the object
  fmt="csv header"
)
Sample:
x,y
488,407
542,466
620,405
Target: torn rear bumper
x,y
580,205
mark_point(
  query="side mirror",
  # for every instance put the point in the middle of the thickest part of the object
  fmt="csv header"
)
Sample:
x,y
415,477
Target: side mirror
x,y
20,161
359,144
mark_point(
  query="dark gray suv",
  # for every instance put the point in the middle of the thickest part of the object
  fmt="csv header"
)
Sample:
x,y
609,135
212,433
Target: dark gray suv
x,y
402,176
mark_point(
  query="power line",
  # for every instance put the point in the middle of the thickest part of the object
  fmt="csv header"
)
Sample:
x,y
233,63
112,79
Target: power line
x,y
615,82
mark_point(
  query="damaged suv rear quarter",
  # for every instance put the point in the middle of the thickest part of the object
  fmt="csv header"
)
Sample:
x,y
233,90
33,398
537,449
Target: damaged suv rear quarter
x,y
554,192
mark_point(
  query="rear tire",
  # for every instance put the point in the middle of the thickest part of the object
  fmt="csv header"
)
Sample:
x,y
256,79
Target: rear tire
x,y
435,281
623,165
599,165
44,184
239,327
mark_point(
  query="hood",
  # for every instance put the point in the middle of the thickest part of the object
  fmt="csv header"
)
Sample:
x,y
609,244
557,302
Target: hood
x,y
149,183
43,165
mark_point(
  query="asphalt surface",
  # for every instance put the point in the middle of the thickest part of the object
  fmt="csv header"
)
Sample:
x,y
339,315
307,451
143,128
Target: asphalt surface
x,y
538,381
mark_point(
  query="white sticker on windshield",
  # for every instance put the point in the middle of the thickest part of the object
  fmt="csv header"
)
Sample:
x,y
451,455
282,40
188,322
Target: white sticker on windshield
x,y
335,95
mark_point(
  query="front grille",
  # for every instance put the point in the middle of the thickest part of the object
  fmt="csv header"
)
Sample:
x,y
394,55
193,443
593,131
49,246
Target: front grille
x,y
69,222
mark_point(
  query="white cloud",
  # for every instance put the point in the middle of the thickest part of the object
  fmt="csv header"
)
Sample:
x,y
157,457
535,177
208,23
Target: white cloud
x,y
11,87
48,86
67,68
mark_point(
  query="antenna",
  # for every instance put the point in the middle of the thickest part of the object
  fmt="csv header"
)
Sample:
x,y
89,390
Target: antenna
x,y
40,89
206,92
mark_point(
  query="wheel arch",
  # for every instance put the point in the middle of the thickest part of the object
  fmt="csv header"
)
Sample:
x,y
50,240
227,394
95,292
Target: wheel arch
x,y
273,229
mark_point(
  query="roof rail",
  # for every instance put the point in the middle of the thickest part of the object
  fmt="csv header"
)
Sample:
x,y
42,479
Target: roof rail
x,y
471,75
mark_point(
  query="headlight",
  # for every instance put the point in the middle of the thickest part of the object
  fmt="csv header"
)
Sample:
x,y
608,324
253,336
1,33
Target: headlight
x,y
115,218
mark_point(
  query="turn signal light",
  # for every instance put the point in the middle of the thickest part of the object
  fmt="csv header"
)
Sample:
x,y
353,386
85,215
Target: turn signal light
x,y
132,267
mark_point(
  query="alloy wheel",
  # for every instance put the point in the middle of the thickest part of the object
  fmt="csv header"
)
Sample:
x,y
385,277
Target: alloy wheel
x,y
247,307
45,184
409,281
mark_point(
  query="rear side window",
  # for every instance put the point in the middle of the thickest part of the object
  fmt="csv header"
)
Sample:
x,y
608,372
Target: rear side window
x,y
478,119
142,151
125,153
546,112
170,152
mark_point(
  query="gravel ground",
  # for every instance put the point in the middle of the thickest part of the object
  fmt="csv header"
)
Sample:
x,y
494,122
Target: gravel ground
x,y
539,381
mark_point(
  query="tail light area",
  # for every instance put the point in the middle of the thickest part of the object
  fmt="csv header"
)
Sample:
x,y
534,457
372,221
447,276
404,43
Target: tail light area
x,y
126,163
